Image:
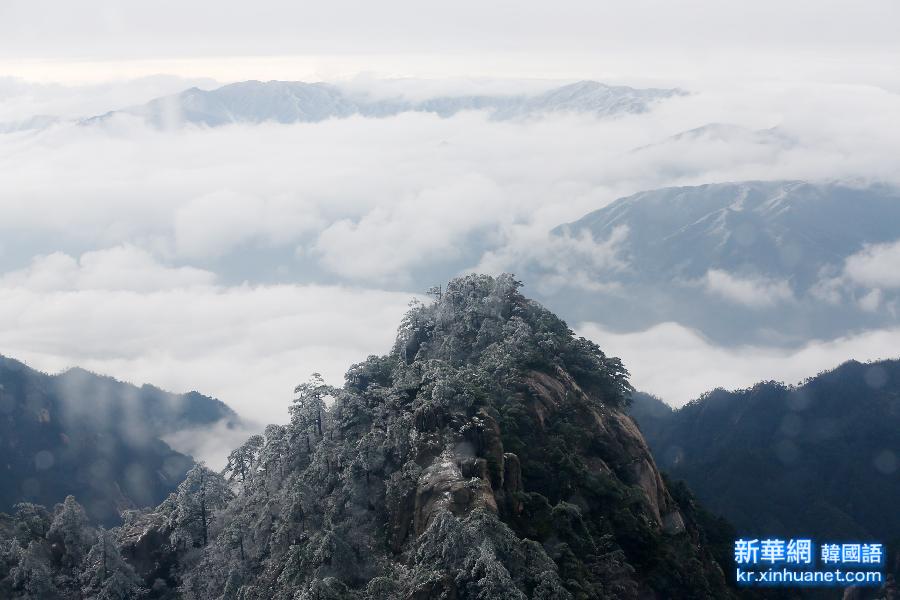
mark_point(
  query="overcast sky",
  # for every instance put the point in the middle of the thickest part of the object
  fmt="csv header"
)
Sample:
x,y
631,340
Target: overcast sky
x,y
236,261
833,40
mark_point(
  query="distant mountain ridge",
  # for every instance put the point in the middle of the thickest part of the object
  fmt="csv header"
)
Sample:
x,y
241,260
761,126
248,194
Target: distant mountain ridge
x,y
295,102
94,437
772,228
724,133
733,259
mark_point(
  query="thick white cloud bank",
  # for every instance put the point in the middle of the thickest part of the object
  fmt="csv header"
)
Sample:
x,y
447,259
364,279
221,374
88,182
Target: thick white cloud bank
x,y
247,345
678,364
370,200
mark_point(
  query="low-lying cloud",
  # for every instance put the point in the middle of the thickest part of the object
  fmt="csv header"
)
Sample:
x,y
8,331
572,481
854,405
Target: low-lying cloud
x,y
120,268
754,292
877,266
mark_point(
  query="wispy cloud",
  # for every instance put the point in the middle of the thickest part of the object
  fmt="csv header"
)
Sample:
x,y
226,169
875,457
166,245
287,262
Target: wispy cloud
x,y
115,269
877,266
754,292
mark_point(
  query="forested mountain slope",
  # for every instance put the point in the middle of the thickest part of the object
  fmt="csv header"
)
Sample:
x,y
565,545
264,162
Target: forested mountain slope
x,y
821,459
92,437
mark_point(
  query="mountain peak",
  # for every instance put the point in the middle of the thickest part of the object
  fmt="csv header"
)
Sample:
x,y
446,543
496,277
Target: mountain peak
x,y
489,440
485,321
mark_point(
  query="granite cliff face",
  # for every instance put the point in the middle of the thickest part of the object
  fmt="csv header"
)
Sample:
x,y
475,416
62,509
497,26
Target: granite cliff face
x,y
487,456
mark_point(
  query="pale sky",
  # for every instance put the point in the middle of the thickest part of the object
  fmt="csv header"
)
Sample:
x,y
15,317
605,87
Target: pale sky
x,y
91,40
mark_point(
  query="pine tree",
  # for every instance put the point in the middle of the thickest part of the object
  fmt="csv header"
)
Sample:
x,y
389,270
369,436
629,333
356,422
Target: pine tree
x,y
69,533
243,460
309,411
275,450
201,494
32,522
105,575
32,575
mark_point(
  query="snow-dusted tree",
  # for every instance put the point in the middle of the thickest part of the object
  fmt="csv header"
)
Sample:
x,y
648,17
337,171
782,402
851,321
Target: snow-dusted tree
x,y
32,522
70,535
9,555
202,492
104,573
243,460
215,576
484,577
309,411
32,576
274,452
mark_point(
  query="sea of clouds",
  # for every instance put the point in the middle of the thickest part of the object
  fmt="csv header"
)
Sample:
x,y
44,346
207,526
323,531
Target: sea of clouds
x,y
238,260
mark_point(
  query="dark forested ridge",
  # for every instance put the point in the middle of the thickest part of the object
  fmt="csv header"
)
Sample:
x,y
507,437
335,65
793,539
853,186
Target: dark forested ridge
x,y
92,437
486,456
821,459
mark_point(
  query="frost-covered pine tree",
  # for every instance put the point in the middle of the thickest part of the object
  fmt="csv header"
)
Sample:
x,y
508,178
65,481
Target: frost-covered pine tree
x,y
309,411
104,573
70,534
202,492
243,460
32,522
273,454
31,577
